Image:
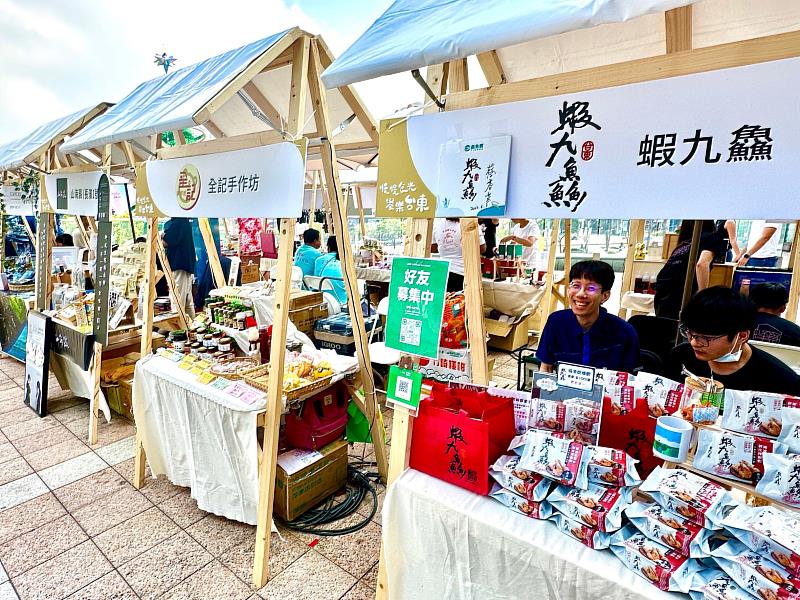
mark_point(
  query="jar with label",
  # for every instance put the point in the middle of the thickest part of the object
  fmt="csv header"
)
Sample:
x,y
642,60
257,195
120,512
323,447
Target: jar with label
x,y
195,347
208,341
239,319
225,344
215,339
178,339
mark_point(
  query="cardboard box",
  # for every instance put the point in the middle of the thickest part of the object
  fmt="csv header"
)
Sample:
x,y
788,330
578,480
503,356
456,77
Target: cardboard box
x,y
303,490
508,336
300,299
453,365
341,344
118,396
249,268
304,318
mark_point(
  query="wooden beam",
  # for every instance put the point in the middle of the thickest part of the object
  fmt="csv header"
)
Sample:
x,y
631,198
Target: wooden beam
x,y
213,129
94,410
491,67
360,206
264,105
207,111
459,75
129,153
699,60
794,287
171,285
239,142
678,29
212,251
548,302
299,87
284,59
635,236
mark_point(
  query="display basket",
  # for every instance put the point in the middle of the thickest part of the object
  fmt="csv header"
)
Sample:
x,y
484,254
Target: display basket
x,y
21,287
258,378
242,364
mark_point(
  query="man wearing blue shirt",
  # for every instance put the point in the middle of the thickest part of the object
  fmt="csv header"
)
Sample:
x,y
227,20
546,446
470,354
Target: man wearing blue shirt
x,y
309,252
324,259
585,333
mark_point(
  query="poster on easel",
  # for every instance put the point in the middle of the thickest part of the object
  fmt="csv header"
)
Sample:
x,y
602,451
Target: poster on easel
x,y
37,361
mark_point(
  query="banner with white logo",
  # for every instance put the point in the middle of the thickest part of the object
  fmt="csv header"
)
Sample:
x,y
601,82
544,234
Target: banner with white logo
x,y
258,182
71,193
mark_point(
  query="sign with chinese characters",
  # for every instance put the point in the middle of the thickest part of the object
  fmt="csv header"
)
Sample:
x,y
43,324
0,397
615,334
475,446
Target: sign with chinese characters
x,y
416,305
71,193
102,278
15,202
43,230
578,377
73,344
258,182
695,146
473,177
37,359
401,192
404,388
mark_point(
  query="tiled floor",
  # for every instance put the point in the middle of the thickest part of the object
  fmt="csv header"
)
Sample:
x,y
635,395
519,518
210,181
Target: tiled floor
x,y
72,526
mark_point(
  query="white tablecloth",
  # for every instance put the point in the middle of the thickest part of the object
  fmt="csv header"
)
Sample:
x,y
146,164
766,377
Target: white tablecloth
x,y
71,377
442,542
643,303
199,437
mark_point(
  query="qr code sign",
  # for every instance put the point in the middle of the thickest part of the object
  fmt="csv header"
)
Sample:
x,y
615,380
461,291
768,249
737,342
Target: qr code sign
x,y
402,389
410,331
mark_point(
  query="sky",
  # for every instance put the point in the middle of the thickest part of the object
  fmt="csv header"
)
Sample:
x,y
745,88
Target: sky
x,y
58,56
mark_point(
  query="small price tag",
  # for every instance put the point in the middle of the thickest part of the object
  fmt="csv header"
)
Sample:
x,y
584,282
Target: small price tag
x,y
202,364
205,378
185,365
404,388
579,377
220,383
195,370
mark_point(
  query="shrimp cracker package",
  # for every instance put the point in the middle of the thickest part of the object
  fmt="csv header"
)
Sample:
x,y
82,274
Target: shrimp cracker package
x,y
755,413
678,533
713,584
598,507
769,531
732,455
577,418
597,540
610,466
667,569
663,395
562,460
529,508
781,479
527,484
759,576
688,495
790,430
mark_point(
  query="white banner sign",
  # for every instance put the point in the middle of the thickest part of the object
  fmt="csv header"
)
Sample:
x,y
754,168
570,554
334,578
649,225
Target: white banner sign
x,y
72,193
15,204
259,182
711,145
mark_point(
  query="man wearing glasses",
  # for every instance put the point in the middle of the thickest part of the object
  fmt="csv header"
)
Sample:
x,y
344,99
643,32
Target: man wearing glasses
x,y
717,322
585,333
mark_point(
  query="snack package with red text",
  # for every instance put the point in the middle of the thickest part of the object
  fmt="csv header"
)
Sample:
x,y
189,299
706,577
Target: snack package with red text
x,y
527,484
713,584
769,531
598,507
609,466
755,413
781,480
691,496
594,539
667,569
755,573
562,460
790,430
663,395
529,508
732,455
657,523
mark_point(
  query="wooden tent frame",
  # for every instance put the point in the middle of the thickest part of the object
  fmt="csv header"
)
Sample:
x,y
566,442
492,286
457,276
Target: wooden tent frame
x,y
680,59
308,56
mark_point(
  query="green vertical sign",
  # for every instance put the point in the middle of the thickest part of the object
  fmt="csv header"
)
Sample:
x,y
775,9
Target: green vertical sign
x,y
42,265
62,193
102,278
404,388
416,305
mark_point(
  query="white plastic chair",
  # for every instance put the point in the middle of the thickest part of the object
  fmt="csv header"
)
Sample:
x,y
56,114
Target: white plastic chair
x,y
379,353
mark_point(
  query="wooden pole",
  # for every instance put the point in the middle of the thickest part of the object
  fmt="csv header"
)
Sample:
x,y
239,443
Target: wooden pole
x,y
212,251
552,288
694,250
635,237
794,264
280,325
360,205
94,412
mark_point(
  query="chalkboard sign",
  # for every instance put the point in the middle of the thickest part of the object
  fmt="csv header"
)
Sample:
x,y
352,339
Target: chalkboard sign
x,y
37,361
103,265
42,264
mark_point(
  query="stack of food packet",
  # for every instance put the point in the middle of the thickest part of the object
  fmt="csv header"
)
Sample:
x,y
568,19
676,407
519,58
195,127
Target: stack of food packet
x,y
665,540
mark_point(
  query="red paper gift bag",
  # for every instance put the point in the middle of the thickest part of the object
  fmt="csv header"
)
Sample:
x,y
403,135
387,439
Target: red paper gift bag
x,y
459,433
632,432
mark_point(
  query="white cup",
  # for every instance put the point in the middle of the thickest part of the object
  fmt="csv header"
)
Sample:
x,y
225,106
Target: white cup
x,y
672,438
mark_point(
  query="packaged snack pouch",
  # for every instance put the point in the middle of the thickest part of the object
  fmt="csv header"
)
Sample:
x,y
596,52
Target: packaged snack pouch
x,y
547,414
527,484
609,466
682,535
582,420
529,508
598,507
781,480
562,460
732,455
713,584
790,429
755,413
668,570
770,532
759,576
594,539
691,496
663,395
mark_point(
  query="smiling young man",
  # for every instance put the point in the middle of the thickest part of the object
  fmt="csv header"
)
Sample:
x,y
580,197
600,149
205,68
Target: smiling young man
x,y
585,333
717,322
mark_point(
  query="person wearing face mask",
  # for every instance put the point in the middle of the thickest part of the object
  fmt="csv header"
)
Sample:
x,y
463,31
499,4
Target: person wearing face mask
x,y
586,333
718,322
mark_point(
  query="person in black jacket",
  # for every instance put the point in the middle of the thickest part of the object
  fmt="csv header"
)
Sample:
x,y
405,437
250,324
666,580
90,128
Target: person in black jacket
x,y
770,300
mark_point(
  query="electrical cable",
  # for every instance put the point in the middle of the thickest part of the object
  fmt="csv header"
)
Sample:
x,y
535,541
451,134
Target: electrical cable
x,y
315,520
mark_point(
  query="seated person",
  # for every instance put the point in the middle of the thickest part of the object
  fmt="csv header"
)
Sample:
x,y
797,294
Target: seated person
x,y
447,242
770,300
585,333
64,239
718,322
324,259
335,286
308,253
